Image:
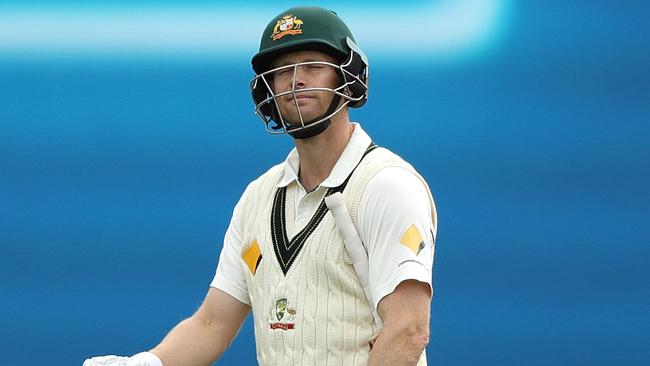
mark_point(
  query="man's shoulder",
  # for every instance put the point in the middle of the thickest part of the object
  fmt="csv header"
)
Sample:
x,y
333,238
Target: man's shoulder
x,y
382,155
383,164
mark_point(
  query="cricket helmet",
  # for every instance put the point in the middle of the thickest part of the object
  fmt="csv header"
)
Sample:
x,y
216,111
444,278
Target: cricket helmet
x,y
314,29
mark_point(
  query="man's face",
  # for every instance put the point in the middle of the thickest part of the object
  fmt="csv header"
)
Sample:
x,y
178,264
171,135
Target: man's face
x,y
312,104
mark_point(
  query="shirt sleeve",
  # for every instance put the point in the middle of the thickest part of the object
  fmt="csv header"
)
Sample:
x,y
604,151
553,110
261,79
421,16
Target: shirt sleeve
x,y
230,276
396,225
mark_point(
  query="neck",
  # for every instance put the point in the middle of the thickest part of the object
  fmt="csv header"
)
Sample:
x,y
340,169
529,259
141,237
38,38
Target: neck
x,y
319,154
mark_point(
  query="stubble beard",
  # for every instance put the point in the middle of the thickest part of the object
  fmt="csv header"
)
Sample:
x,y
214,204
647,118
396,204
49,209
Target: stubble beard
x,y
291,116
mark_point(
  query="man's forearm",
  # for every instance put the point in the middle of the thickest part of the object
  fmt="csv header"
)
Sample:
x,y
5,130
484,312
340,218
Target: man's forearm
x,y
194,341
202,338
397,349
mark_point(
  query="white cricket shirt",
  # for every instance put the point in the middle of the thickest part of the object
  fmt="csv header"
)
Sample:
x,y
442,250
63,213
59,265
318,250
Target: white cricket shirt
x,y
396,222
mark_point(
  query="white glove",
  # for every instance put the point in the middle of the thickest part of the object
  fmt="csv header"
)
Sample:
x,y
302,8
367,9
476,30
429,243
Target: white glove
x,y
141,359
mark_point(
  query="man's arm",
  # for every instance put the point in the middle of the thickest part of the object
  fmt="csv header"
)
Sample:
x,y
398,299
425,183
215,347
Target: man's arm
x,y
203,337
405,314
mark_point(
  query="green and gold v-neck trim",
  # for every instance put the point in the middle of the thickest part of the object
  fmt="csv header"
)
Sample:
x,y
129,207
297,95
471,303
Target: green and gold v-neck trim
x,y
286,251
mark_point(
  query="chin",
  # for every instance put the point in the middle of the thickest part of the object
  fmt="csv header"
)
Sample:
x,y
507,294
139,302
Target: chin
x,y
293,118
295,123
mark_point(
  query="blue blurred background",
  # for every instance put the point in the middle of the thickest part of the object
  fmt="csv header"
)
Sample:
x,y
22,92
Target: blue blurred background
x,y
127,135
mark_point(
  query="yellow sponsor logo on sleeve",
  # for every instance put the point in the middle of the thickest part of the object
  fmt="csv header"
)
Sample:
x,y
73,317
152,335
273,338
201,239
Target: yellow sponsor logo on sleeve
x,y
252,256
412,239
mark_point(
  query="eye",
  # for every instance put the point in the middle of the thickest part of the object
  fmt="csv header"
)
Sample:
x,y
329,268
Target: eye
x,y
282,72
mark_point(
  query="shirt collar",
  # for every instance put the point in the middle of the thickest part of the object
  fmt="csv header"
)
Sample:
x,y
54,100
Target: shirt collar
x,y
352,154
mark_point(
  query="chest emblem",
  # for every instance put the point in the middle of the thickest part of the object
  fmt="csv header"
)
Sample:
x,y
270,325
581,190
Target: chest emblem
x,y
282,316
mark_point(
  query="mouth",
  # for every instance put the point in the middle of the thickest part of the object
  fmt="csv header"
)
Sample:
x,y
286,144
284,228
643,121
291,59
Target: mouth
x,y
299,97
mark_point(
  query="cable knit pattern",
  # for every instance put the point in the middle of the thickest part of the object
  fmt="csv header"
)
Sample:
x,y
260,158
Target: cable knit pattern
x,y
317,314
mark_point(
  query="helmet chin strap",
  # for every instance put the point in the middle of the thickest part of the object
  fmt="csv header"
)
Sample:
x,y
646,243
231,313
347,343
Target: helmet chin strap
x,y
311,130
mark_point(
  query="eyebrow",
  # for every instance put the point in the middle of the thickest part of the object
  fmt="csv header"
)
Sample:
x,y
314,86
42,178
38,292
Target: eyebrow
x,y
289,62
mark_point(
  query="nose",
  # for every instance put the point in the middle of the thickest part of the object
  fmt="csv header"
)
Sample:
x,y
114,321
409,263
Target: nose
x,y
298,78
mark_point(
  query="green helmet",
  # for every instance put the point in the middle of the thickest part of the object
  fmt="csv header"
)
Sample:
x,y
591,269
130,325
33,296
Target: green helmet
x,y
314,29
300,28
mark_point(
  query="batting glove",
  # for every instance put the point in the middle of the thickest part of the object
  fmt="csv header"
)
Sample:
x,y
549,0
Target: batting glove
x,y
141,359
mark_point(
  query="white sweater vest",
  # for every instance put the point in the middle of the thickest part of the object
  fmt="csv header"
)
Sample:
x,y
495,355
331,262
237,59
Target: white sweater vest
x,y
316,314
